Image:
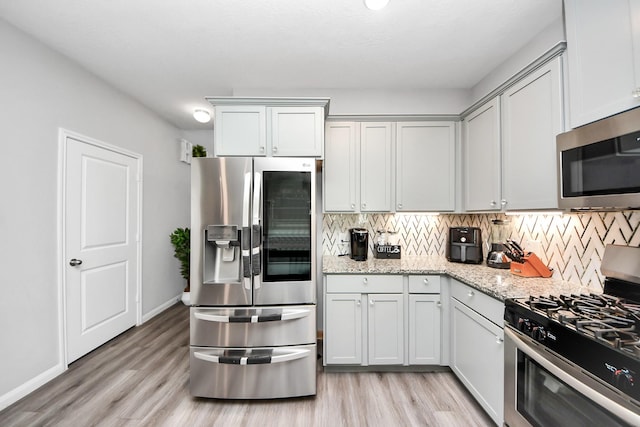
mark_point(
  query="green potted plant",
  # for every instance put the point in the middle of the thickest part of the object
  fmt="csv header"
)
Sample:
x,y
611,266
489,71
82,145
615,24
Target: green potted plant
x,y
198,151
181,241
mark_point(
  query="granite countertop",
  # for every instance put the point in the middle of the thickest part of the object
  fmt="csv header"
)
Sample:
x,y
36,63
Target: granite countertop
x,y
500,284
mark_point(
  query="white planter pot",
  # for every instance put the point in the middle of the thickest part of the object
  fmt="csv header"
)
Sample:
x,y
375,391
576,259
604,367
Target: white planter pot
x,y
186,298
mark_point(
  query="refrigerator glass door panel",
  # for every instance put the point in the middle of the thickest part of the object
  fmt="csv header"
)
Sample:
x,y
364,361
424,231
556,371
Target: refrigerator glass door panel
x,y
220,225
287,224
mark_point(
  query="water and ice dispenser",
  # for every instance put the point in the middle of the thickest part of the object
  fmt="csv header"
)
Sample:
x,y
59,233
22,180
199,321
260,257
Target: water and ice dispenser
x,y
222,254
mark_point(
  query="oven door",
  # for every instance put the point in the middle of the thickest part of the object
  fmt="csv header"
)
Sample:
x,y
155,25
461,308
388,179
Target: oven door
x,y
542,389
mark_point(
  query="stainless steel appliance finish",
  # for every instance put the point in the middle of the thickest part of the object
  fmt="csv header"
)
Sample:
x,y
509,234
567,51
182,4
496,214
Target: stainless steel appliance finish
x,y
573,360
599,164
253,278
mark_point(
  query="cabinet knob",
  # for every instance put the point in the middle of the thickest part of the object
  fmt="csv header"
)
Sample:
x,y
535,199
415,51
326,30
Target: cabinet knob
x,y
353,206
493,203
274,149
636,92
371,302
426,281
365,280
358,303
503,202
400,206
470,294
262,148
439,304
364,206
499,340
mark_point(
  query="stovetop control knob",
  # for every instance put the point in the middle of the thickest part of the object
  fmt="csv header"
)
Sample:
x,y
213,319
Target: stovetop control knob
x,y
524,325
538,333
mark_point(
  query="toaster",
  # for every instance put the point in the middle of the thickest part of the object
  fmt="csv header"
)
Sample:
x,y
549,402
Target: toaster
x,y
464,244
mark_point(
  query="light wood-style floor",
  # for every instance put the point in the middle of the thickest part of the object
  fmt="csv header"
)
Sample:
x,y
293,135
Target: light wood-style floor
x,y
141,379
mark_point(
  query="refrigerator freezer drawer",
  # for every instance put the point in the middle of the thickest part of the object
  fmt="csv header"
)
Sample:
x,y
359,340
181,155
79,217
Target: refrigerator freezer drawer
x,y
259,373
253,326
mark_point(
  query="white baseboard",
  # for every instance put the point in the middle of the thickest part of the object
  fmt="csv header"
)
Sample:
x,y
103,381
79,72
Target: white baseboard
x,y
162,307
33,384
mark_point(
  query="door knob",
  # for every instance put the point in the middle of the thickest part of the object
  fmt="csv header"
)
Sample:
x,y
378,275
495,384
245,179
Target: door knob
x,y
75,262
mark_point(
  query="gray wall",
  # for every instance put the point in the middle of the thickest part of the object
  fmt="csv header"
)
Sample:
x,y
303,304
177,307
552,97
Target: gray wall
x,y
40,92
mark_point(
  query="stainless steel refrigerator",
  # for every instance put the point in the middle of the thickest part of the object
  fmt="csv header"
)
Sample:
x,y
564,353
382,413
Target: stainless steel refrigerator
x,y
253,278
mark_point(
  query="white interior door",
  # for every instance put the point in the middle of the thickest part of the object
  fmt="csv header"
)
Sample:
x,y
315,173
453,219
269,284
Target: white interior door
x,y
100,244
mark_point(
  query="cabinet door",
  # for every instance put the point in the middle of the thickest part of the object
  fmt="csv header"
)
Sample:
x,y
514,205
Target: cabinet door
x,y
297,131
424,329
425,175
375,167
600,48
343,329
341,167
386,329
240,130
477,357
532,117
482,167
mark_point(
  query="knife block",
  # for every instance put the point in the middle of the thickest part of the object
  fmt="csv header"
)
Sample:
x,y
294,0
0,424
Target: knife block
x,y
531,267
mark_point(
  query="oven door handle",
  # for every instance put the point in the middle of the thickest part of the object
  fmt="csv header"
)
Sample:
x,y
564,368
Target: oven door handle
x,y
620,411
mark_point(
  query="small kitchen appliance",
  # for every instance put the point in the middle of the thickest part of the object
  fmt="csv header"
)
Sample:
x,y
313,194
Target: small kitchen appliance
x,y
497,257
464,245
359,243
574,359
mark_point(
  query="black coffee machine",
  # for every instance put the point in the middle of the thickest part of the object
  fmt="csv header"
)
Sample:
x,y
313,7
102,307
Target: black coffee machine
x,y
464,245
359,243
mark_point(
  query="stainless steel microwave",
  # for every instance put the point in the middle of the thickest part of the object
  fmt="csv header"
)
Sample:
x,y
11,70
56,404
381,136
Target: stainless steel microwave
x,y
599,164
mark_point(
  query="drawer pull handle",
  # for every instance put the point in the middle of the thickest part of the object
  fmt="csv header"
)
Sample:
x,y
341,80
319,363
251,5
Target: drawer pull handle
x,y
365,280
287,314
426,281
249,359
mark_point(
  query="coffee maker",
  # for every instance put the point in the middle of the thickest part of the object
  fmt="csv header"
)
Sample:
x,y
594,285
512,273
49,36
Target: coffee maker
x,y
359,243
496,257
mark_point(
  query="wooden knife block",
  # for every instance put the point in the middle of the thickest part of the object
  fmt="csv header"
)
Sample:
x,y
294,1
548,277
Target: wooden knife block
x,y
531,267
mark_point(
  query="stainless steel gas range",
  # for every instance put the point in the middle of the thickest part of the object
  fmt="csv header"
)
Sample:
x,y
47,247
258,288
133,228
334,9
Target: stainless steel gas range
x,y
574,360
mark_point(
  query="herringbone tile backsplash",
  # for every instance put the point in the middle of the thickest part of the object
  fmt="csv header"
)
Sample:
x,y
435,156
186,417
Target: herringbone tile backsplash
x,y
571,244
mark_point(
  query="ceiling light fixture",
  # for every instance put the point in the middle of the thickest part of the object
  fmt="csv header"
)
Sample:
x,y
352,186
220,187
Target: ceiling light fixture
x,y
201,116
376,4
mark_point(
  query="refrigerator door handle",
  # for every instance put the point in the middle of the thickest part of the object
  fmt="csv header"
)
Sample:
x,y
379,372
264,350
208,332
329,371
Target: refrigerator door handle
x,y
246,232
256,238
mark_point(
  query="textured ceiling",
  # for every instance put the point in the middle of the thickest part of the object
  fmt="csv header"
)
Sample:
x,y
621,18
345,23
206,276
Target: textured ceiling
x,y
169,54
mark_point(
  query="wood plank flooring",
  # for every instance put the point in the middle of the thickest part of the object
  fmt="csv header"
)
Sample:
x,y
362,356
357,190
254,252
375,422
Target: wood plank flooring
x,y
141,378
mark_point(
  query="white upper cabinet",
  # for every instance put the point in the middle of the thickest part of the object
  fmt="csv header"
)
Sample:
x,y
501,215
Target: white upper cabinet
x,y
341,167
532,117
509,145
358,167
425,166
481,147
603,47
240,130
376,150
269,126
297,131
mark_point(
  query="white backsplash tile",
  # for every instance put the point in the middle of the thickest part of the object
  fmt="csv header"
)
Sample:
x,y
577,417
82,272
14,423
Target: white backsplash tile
x,y
572,244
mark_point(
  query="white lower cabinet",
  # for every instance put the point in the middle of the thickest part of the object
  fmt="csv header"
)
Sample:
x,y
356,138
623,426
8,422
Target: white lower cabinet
x,y
378,320
477,349
385,329
343,329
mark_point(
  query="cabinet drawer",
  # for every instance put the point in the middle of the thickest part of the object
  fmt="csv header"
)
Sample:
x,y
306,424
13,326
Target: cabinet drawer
x,y
485,305
424,284
364,283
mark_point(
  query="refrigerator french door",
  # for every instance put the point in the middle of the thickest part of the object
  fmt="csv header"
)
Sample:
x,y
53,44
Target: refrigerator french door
x,y
253,275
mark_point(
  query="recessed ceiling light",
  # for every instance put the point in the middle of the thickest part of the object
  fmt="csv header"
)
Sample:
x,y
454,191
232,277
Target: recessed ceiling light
x,y
375,4
201,116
